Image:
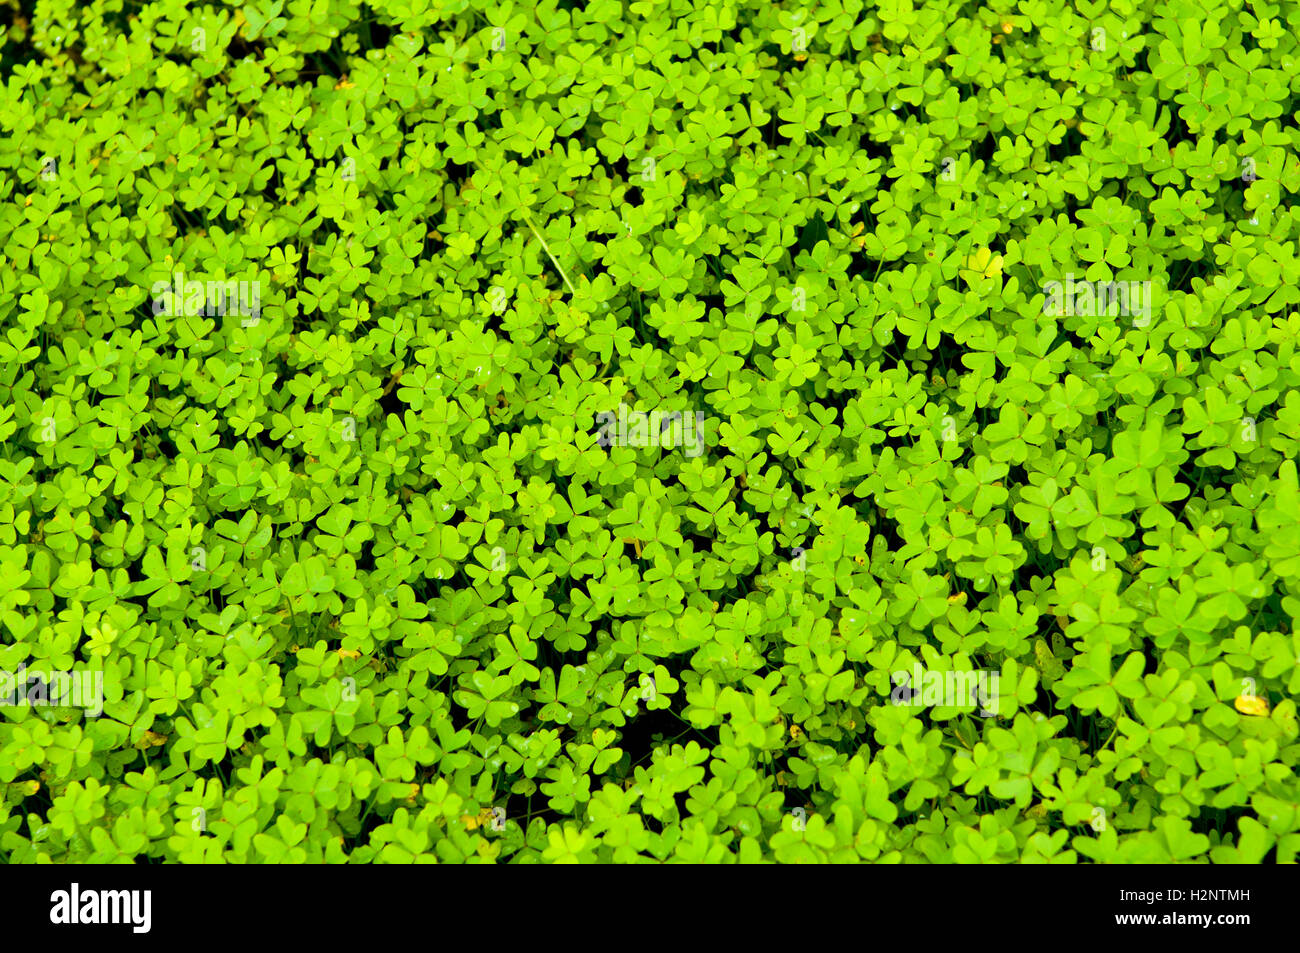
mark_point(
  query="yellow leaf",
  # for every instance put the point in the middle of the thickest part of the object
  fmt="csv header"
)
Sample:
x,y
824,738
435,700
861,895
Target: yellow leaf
x,y
1046,662
984,263
1251,705
473,822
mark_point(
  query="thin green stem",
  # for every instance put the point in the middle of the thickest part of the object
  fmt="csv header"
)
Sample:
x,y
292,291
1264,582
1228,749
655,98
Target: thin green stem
x,y
568,284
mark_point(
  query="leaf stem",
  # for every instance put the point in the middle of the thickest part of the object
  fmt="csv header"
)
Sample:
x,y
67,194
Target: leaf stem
x,y
568,284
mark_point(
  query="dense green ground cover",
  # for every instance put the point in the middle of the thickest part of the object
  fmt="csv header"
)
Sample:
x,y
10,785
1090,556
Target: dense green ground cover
x,y
374,568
